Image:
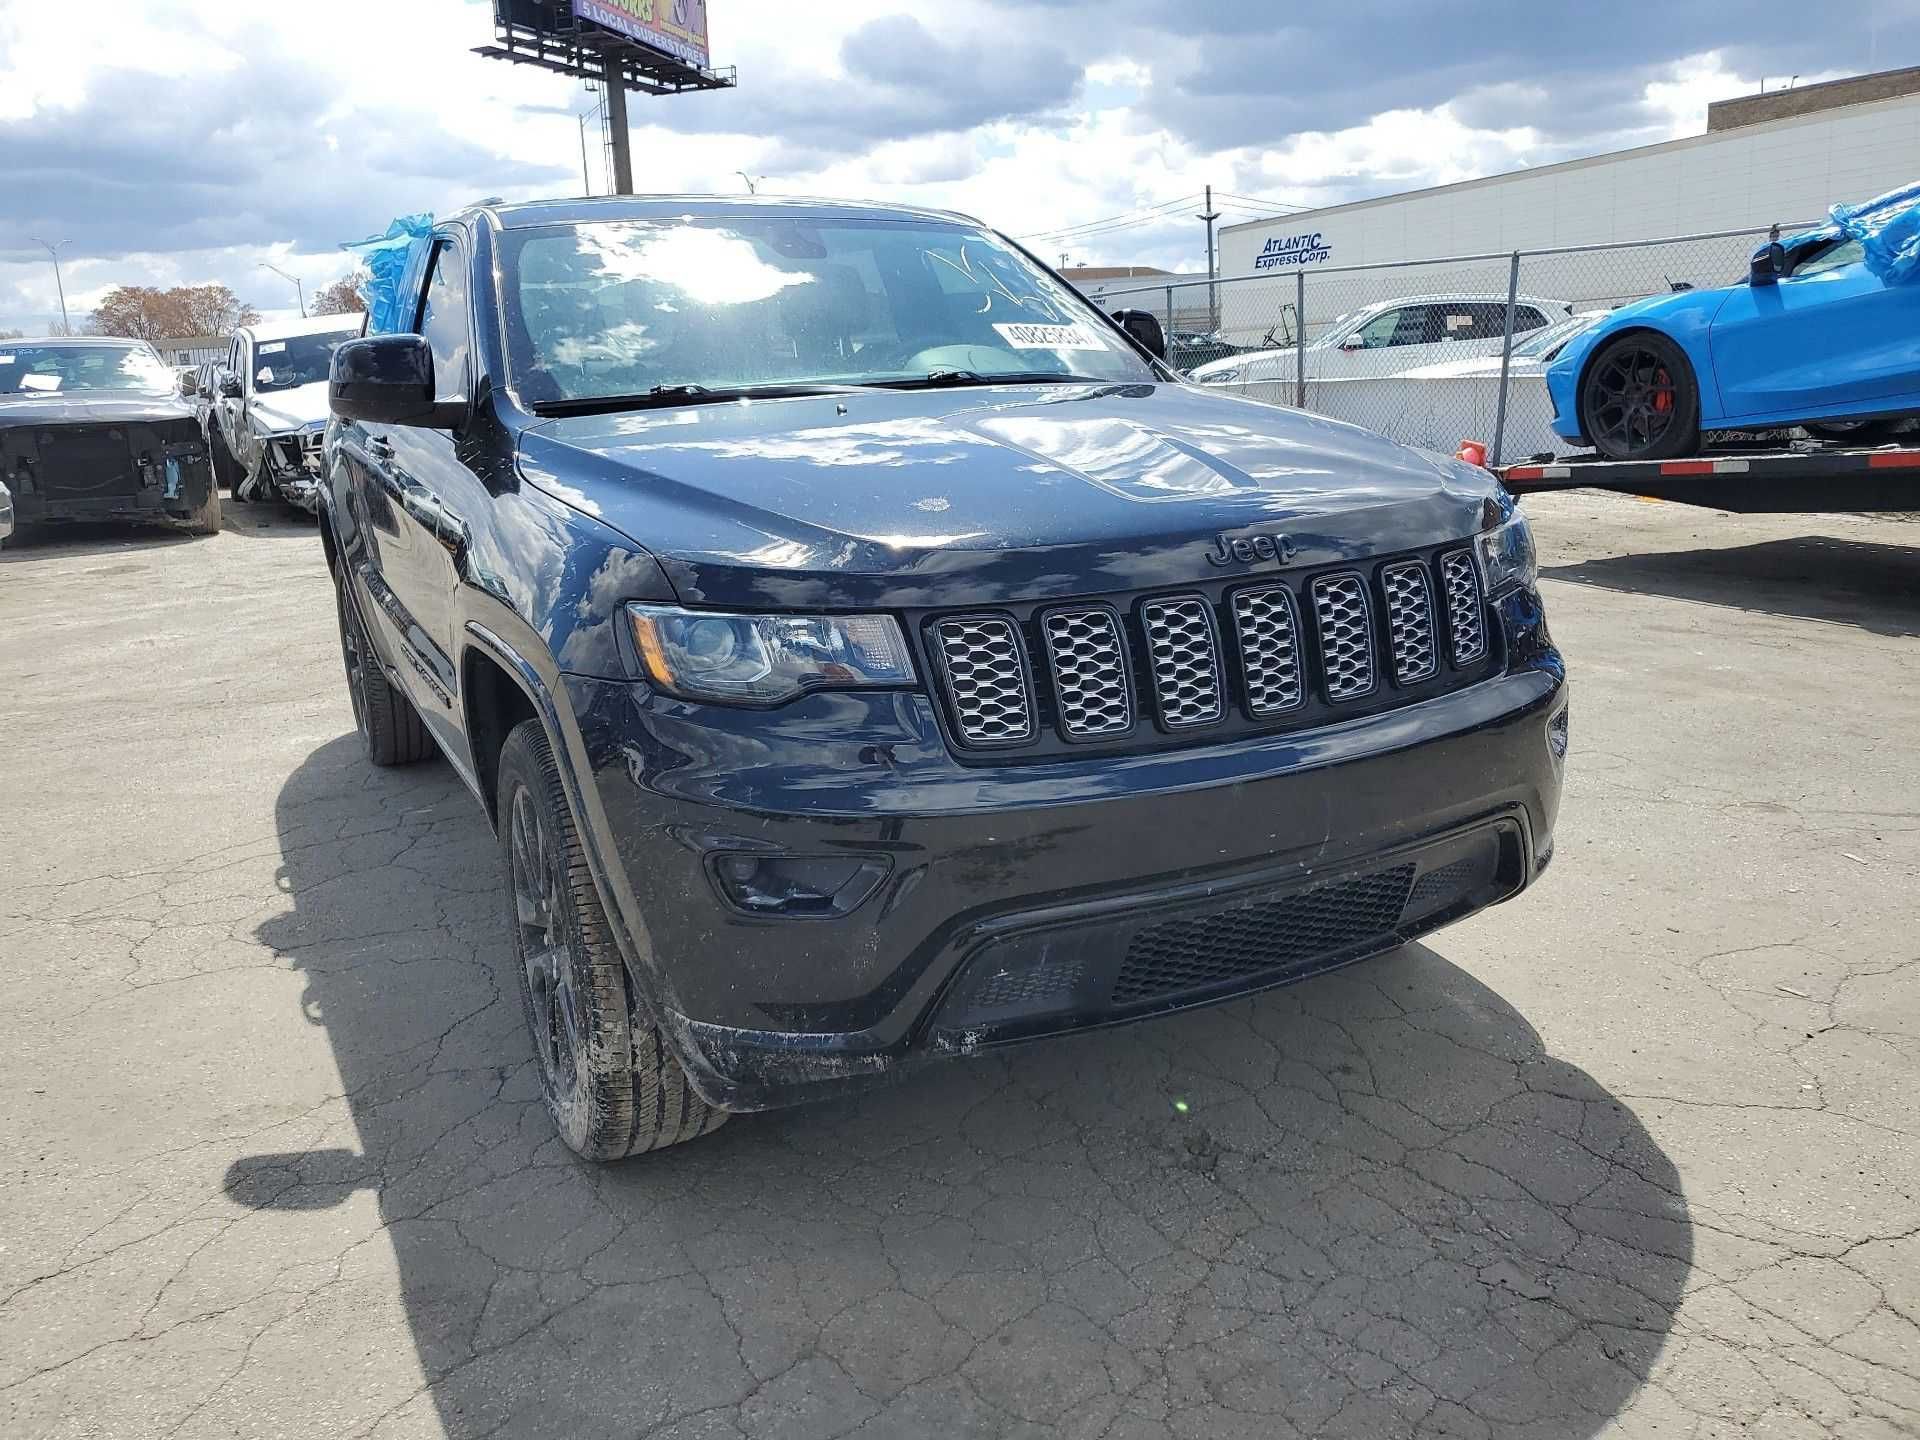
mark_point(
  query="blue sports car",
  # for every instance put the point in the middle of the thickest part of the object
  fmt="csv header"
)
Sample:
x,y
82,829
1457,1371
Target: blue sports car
x,y
1824,334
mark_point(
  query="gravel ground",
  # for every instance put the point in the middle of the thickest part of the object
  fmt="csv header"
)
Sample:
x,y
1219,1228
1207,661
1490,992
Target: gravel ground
x,y
1634,1155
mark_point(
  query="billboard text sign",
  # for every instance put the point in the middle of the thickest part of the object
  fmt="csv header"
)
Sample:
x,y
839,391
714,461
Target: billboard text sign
x,y
675,27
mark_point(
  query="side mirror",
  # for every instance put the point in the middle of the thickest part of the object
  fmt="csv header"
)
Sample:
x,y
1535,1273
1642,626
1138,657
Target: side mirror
x,y
1354,341
1144,327
387,380
229,386
1769,264
187,385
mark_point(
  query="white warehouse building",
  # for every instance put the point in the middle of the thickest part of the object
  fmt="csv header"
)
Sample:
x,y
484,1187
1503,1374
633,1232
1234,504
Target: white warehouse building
x,y
1782,158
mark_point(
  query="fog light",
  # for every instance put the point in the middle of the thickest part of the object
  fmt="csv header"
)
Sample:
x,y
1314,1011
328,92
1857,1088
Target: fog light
x,y
1557,735
798,886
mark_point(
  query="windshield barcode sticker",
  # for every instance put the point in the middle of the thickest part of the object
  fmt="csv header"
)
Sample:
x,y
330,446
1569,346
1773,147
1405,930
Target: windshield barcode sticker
x,y
1051,337
273,347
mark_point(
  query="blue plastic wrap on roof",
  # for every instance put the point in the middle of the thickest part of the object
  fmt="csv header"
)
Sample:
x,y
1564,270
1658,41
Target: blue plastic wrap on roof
x,y
395,264
1887,227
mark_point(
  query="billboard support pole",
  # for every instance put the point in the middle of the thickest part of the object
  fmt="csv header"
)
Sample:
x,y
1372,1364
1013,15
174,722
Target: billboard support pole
x,y
617,125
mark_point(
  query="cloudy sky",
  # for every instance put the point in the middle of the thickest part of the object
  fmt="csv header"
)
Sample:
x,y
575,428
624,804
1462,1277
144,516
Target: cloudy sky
x,y
178,143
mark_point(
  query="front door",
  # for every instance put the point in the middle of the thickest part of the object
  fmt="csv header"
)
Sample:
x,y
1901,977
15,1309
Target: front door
x,y
1830,334
432,494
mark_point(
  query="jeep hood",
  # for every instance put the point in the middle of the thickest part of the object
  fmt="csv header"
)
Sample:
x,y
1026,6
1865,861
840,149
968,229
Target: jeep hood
x,y
943,497
295,409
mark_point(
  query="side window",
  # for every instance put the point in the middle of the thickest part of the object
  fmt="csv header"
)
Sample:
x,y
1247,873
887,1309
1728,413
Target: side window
x,y
1850,252
1525,317
443,322
1419,325
1378,332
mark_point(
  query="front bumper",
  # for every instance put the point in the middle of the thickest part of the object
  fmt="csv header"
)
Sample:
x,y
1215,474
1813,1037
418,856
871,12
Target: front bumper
x,y
295,467
1024,900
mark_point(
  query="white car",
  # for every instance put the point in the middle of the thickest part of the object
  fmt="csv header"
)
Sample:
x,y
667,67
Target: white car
x,y
1384,339
269,409
1435,407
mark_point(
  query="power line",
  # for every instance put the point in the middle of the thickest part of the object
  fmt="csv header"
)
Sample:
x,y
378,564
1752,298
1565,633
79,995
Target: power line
x,y
1121,221
1283,206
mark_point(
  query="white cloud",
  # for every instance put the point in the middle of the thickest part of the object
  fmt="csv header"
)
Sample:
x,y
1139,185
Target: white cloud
x,y
1033,116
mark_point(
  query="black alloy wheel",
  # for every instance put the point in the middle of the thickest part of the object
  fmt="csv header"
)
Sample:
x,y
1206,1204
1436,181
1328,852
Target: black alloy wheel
x,y
1639,400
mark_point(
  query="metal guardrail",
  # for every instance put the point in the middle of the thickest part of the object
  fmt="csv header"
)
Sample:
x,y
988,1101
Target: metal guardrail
x,y
1479,306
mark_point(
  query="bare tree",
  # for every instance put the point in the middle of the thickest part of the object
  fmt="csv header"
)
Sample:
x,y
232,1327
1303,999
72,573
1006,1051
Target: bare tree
x,y
142,312
342,297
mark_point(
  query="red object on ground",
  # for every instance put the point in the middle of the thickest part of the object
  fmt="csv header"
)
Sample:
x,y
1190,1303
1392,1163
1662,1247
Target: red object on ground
x,y
1473,452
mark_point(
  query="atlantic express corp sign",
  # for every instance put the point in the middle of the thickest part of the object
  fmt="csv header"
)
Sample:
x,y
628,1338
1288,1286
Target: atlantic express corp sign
x,y
1283,252
675,27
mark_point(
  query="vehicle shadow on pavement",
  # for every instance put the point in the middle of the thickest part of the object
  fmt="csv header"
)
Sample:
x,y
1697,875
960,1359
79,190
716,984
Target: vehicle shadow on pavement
x,y
91,537
1368,1205
268,520
1817,577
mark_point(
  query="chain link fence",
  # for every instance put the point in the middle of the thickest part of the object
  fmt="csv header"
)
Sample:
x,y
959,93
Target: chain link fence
x,y
1427,352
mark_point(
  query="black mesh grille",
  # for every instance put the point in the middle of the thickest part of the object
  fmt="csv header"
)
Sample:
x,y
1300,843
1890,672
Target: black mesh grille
x,y
1269,649
1346,635
1464,621
1186,661
1205,950
1085,649
1410,621
1449,882
1033,984
986,679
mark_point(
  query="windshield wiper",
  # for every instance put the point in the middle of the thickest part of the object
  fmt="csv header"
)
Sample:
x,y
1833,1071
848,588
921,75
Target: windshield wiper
x,y
942,379
661,396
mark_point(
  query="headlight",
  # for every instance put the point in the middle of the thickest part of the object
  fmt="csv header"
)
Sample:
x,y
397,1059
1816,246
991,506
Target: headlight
x,y
1507,556
766,659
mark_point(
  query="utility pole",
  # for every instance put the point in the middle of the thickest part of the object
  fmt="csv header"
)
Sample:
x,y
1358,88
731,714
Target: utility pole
x,y
298,289
1213,295
59,285
617,124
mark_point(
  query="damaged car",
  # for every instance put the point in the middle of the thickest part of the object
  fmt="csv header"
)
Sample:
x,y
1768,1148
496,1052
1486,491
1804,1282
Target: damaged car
x,y
96,429
866,651
269,409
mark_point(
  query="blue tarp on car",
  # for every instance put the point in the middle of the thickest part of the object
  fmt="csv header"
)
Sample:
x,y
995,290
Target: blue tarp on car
x,y
1888,229
395,264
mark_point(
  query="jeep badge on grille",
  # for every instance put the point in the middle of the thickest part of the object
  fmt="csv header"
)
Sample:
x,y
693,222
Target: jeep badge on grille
x,y
1248,548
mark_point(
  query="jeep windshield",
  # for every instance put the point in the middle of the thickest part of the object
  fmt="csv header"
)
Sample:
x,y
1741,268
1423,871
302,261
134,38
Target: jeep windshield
x,y
58,369
619,314
296,360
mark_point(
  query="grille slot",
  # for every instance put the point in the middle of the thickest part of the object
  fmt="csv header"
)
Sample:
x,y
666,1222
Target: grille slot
x,y
1346,635
1088,658
1315,925
1464,621
986,679
1269,634
1186,660
1410,621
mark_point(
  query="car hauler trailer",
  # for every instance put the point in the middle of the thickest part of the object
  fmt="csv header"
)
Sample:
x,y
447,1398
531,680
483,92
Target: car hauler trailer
x,y
1806,477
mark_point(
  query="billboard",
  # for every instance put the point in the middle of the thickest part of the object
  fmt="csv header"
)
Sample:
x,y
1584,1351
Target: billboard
x,y
673,27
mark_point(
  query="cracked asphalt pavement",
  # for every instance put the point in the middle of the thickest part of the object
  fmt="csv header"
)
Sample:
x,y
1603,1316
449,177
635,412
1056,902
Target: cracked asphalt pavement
x,y
1634,1155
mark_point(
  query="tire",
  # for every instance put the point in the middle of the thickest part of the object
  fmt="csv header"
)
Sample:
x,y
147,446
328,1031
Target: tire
x,y
205,517
609,1079
226,470
1639,399
389,726
1859,432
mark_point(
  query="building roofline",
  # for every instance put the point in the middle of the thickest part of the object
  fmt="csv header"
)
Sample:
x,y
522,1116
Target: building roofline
x,y
1561,166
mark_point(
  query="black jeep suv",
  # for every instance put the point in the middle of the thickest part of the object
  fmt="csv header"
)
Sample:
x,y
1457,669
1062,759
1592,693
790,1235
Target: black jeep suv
x,y
866,650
